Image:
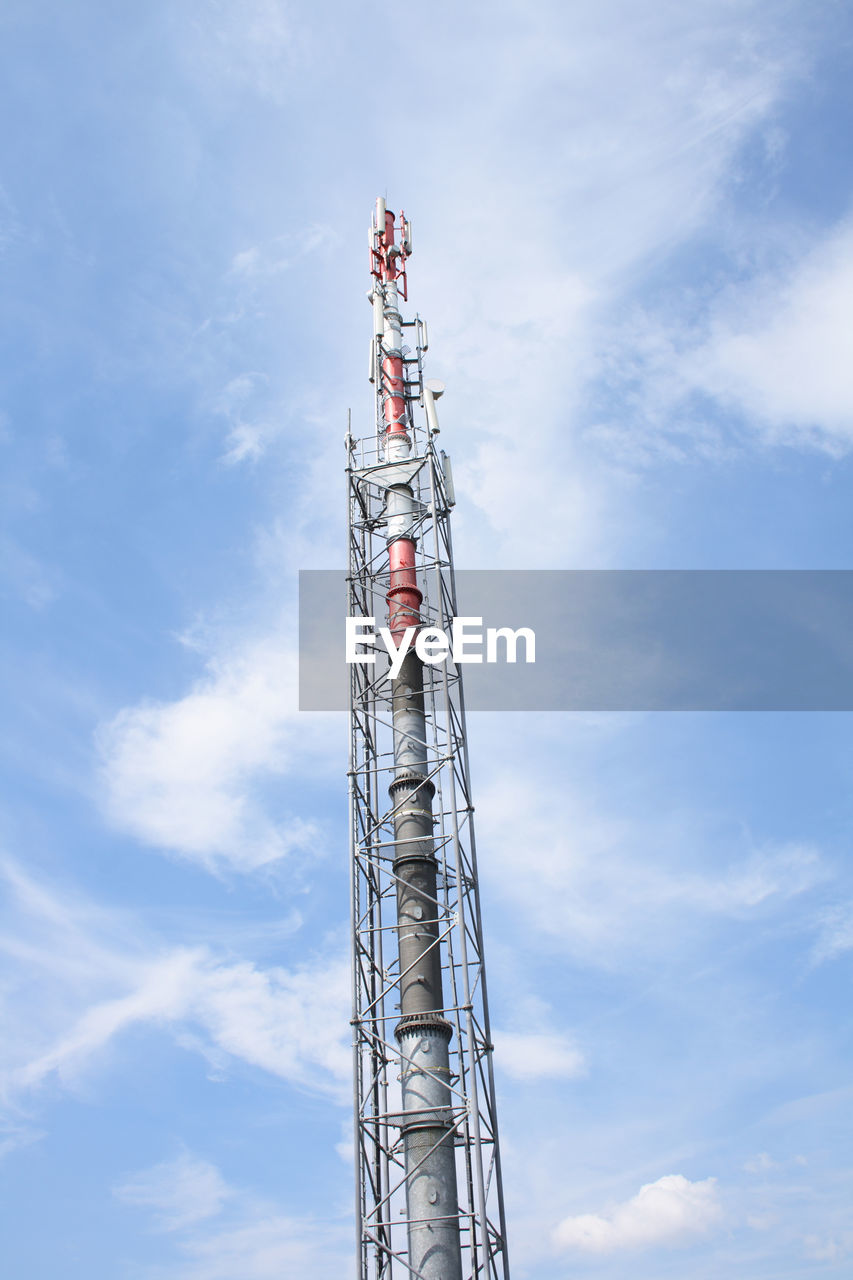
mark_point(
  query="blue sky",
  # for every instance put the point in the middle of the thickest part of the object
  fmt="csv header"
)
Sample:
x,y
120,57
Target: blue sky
x,y
634,246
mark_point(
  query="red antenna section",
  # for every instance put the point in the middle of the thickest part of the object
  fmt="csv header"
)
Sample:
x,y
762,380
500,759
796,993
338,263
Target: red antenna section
x,y
388,267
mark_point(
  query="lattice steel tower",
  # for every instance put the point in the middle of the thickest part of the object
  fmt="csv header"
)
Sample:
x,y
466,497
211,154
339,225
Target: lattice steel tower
x,y
429,1193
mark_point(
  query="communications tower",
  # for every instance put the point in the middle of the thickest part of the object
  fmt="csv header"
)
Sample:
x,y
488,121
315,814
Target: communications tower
x,y
429,1193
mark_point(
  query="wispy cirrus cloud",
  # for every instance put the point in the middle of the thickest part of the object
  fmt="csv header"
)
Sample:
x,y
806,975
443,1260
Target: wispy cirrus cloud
x,y
835,932
247,46
93,975
248,435
286,1022
266,1245
764,1163
180,1192
614,875
220,1231
834,1248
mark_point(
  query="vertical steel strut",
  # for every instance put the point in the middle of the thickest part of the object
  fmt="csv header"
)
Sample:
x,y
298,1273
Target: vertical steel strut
x,y
429,1194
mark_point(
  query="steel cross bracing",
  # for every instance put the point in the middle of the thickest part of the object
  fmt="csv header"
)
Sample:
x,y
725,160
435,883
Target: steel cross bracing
x,y
452,914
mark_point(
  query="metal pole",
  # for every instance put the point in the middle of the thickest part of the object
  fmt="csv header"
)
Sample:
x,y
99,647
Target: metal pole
x,y
423,1033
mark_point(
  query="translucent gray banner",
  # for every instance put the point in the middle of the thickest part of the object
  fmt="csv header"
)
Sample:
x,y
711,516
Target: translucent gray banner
x,y
624,640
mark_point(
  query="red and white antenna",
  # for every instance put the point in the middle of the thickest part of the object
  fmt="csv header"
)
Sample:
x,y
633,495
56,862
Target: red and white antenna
x,y
388,267
429,1191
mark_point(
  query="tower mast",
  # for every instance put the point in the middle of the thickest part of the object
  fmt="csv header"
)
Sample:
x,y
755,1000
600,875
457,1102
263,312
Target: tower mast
x,y
429,1192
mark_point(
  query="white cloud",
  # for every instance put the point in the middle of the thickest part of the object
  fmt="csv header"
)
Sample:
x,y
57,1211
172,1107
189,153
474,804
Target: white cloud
x,y
289,1023
183,775
260,262
223,1231
182,1191
778,871
160,993
836,932
761,1163
764,1163
629,883
346,1147
537,1055
78,979
762,1221
11,229
652,121
246,439
248,45
829,1248
16,1133
292,1024
246,262
780,349
28,577
772,348
662,1213
266,1247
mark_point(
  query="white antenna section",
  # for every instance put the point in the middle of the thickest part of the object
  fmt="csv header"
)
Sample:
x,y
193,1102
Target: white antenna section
x,y
448,480
378,312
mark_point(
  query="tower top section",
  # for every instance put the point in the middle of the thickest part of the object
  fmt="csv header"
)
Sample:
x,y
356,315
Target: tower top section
x,y
388,253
